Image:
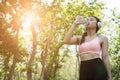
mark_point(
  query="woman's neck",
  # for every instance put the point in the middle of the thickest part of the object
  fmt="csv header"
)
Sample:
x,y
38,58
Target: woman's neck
x,y
91,33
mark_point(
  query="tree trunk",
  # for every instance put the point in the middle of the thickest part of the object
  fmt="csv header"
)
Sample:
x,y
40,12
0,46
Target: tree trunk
x,y
29,69
43,75
32,56
6,61
11,73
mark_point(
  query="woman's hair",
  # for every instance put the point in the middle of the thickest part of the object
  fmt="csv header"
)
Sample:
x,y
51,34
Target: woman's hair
x,y
85,34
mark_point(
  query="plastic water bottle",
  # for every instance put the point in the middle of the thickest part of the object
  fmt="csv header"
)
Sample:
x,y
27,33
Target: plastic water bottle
x,y
80,18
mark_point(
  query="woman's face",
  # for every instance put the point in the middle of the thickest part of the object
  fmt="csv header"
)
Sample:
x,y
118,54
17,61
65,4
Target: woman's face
x,y
91,23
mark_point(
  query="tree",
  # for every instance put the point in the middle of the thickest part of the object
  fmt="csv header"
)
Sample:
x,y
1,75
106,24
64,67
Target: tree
x,y
10,46
50,22
115,46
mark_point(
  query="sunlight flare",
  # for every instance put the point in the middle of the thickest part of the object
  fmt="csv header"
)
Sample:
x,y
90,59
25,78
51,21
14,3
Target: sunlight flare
x,y
28,19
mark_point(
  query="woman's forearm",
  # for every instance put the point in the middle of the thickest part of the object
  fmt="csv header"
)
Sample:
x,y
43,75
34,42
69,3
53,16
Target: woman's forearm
x,y
107,65
69,34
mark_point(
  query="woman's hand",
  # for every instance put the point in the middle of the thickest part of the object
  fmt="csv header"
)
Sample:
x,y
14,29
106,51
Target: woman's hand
x,y
79,20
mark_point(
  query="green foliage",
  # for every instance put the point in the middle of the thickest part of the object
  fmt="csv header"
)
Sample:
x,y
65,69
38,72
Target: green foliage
x,y
55,20
115,47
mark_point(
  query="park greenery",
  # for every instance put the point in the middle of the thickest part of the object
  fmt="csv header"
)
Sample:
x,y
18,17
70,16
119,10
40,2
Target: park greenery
x,y
31,35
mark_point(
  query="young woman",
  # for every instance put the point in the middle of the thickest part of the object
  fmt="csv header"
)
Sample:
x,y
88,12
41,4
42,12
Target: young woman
x,y
93,65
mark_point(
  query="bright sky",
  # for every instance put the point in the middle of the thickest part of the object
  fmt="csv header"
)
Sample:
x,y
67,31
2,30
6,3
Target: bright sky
x,y
112,3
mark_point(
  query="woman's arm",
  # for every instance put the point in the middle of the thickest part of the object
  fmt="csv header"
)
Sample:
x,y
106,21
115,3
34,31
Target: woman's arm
x,y
69,39
105,56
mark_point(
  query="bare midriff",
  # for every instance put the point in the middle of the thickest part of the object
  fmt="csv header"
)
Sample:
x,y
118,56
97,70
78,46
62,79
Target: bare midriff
x,y
89,56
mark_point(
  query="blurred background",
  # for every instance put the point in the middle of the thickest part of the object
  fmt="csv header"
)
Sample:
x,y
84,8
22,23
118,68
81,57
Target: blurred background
x,y
31,34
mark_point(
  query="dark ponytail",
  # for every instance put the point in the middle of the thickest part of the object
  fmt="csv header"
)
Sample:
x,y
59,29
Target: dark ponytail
x,y
83,38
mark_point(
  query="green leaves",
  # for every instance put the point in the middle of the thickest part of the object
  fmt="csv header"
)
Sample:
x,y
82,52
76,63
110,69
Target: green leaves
x,y
55,20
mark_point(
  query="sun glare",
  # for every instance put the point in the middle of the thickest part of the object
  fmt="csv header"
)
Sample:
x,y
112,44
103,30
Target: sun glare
x,y
28,19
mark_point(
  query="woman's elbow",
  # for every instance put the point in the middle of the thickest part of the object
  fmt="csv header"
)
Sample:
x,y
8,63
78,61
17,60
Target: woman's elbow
x,y
65,41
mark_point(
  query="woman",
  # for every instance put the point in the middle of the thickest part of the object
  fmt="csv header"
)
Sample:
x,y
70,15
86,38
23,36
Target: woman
x,y
92,66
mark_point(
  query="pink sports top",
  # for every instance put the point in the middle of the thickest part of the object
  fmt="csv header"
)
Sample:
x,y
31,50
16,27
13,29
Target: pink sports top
x,y
92,46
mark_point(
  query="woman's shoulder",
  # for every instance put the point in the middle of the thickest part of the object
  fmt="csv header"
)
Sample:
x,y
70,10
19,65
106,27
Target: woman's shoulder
x,y
102,37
